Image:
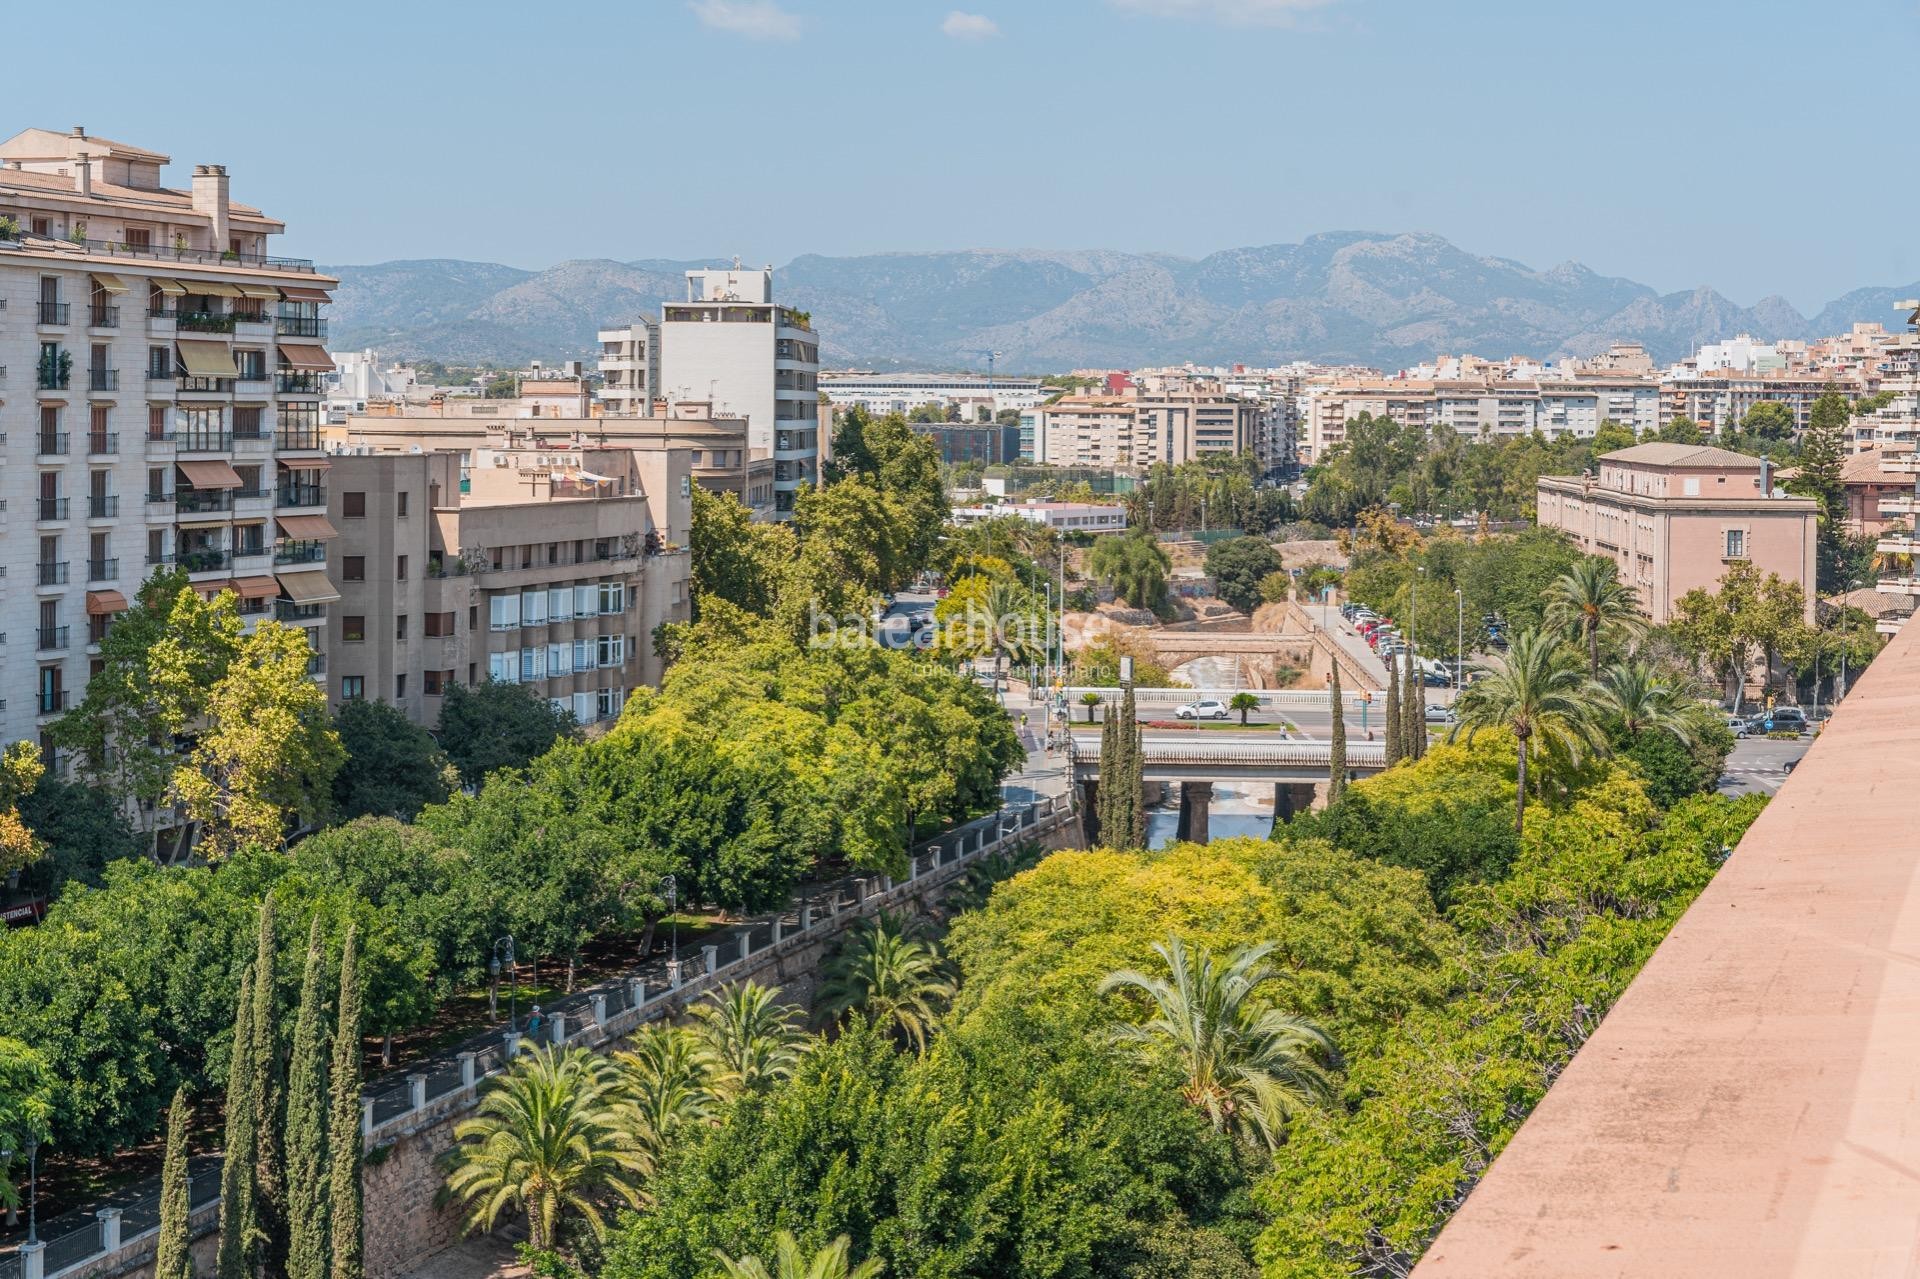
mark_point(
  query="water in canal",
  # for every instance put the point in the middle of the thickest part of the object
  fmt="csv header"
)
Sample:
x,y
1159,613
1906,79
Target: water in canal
x,y
1236,810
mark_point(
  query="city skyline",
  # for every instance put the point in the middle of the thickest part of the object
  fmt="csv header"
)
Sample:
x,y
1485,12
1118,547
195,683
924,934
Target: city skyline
x,y
1544,137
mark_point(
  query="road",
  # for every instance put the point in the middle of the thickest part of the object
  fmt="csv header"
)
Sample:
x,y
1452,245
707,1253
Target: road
x,y
895,629
1759,765
1327,618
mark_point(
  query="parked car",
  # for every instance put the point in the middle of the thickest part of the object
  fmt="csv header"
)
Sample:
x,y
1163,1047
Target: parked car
x,y
1440,715
1790,717
1437,679
1205,708
1736,725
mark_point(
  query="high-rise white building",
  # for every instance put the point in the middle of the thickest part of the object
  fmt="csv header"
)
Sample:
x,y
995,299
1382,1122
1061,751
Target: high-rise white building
x,y
160,386
729,345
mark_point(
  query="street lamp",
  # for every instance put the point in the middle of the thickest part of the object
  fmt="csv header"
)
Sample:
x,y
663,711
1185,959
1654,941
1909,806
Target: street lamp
x,y
503,955
670,889
33,1184
1459,639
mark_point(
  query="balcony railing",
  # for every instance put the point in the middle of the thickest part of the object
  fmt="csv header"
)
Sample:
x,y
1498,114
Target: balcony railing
x,y
202,501
253,432
288,611
300,553
301,326
297,383
204,322
317,664
54,312
104,317
206,560
103,570
158,561
204,441
159,375
301,495
103,443
212,257
52,638
215,385
53,508
298,437
55,377
103,379
162,312
102,507
250,550
251,317
53,700
158,499
54,443
53,574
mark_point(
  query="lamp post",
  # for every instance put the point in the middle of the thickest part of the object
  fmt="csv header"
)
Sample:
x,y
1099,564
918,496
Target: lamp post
x,y
1459,640
33,1184
503,955
670,889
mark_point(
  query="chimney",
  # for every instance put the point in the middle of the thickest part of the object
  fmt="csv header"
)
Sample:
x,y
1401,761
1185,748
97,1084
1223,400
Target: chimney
x,y
210,201
82,175
1766,477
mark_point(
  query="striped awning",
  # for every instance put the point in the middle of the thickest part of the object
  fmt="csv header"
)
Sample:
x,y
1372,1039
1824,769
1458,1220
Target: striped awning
x,y
100,603
308,357
207,359
172,288
308,588
256,588
306,528
109,283
212,289
265,292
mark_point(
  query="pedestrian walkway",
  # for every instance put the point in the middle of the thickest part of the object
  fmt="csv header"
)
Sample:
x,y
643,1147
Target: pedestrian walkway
x,y
1327,618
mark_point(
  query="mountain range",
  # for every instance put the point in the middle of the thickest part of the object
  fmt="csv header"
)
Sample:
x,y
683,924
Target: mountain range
x,y
1342,297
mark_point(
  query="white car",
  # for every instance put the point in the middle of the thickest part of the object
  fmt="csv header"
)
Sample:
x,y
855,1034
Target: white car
x,y
1205,708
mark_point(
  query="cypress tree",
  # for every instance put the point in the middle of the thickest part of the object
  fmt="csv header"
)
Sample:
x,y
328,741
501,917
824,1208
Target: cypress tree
x,y
1393,713
269,1106
1111,768
238,1222
1336,741
343,1125
1413,715
308,1256
170,1257
1133,805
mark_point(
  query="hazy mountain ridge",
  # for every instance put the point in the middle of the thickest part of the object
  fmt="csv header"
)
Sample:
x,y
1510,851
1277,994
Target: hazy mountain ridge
x,y
1384,300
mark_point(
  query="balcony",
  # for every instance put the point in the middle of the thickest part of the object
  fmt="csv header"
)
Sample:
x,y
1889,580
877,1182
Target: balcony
x,y
52,639
252,319
103,570
102,443
288,611
103,317
203,322
209,559
53,700
54,313
201,257
55,375
204,385
53,574
298,437
159,561
159,499
161,378
54,444
297,383
301,495
300,553
103,507
317,664
204,441
202,501
300,326
103,379
53,508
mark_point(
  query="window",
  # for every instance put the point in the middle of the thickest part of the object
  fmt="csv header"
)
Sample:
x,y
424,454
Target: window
x,y
583,707
400,626
353,688
438,624
1736,544
400,568
613,597
353,505
353,568
610,650
533,608
607,702
503,612
584,601
560,604
400,505
399,688
559,659
353,629
504,667
434,683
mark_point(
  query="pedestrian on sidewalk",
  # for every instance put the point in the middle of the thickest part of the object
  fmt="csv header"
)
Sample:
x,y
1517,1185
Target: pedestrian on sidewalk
x,y
535,1020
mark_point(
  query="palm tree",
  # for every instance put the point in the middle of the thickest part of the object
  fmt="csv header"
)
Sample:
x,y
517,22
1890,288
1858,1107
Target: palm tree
x,y
1244,702
1246,1065
547,1138
1636,694
746,1041
1537,693
829,1262
663,1080
893,978
1589,598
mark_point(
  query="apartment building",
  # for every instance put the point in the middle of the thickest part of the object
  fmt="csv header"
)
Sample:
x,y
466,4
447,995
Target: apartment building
x,y
1673,517
729,344
1140,429
1486,408
961,443
883,393
160,385
1087,430
1712,399
1064,517
542,565
721,458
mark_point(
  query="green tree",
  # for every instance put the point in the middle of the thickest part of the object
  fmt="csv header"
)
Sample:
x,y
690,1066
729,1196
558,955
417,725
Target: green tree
x,y
20,774
1396,747
393,767
1413,712
1682,430
267,756
26,1110
1237,565
83,830
239,1225
549,1138
1336,738
1639,697
735,559
1768,422
309,1255
1589,599
1536,693
663,1081
1121,816
498,725
1823,452
1089,700
747,1041
1134,566
1750,615
343,1122
1247,1067
1244,702
171,1259
267,1095
789,1262
898,982
1612,437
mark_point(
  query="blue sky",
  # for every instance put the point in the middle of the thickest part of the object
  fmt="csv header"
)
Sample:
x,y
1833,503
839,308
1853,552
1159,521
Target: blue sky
x,y
1757,146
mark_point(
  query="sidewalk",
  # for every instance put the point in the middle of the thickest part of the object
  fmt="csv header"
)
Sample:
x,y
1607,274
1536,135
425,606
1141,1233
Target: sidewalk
x,y
1327,618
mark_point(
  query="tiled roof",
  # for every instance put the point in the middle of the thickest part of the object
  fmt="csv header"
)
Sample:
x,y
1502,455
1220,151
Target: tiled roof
x,y
1662,454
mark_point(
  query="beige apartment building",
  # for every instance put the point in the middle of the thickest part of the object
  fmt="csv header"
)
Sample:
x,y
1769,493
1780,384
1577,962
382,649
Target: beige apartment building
x,y
1673,517
1143,429
545,565
722,459
160,387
